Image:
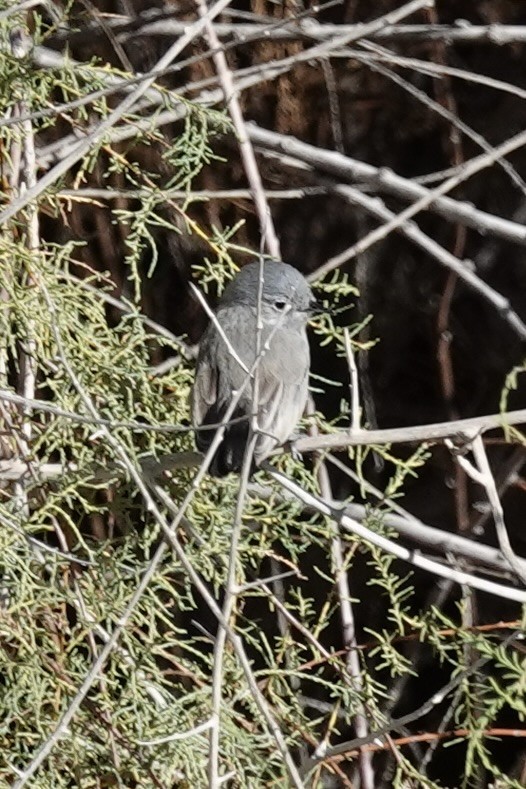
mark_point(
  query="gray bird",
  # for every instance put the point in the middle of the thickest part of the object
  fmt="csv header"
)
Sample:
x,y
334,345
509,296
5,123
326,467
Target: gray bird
x,y
287,303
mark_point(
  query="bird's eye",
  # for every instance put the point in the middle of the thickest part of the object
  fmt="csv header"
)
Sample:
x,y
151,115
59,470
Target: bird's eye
x,y
280,305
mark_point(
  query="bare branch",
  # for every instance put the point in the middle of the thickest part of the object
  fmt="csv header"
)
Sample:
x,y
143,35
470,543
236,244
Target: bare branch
x,y
406,524
348,626
384,180
461,430
160,23
26,180
483,476
354,384
266,225
412,557
463,269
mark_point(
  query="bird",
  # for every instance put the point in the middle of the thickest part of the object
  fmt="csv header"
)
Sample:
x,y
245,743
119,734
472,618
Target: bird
x,y
279,298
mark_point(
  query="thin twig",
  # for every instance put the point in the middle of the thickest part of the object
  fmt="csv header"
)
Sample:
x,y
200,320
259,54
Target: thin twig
x,y
346,613
507,476
266,225
399,723
20,46
231,592
213,317
484,476
434,69
84,194
177,736
26,5
353,383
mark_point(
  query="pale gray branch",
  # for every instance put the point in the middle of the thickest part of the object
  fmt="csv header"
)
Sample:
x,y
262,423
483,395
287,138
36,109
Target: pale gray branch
x,y
462,430
266,224
412,557
384,180
157,23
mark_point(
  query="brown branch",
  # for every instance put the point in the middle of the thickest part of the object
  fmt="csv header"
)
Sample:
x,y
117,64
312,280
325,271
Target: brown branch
x,y
426,737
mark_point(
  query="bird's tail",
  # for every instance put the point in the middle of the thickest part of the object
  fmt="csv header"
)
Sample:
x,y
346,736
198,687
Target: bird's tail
x,y
230,452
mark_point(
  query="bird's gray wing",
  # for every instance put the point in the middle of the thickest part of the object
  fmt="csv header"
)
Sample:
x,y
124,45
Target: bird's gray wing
x,y
204,391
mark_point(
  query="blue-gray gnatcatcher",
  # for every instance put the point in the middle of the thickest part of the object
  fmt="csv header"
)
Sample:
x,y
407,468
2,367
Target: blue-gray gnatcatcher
x,y
274,382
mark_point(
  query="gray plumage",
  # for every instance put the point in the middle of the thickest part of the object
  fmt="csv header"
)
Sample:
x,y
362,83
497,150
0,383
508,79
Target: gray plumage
x,y
286,305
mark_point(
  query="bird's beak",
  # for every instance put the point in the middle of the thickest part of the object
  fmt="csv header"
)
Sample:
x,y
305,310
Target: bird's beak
x,y
319,308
